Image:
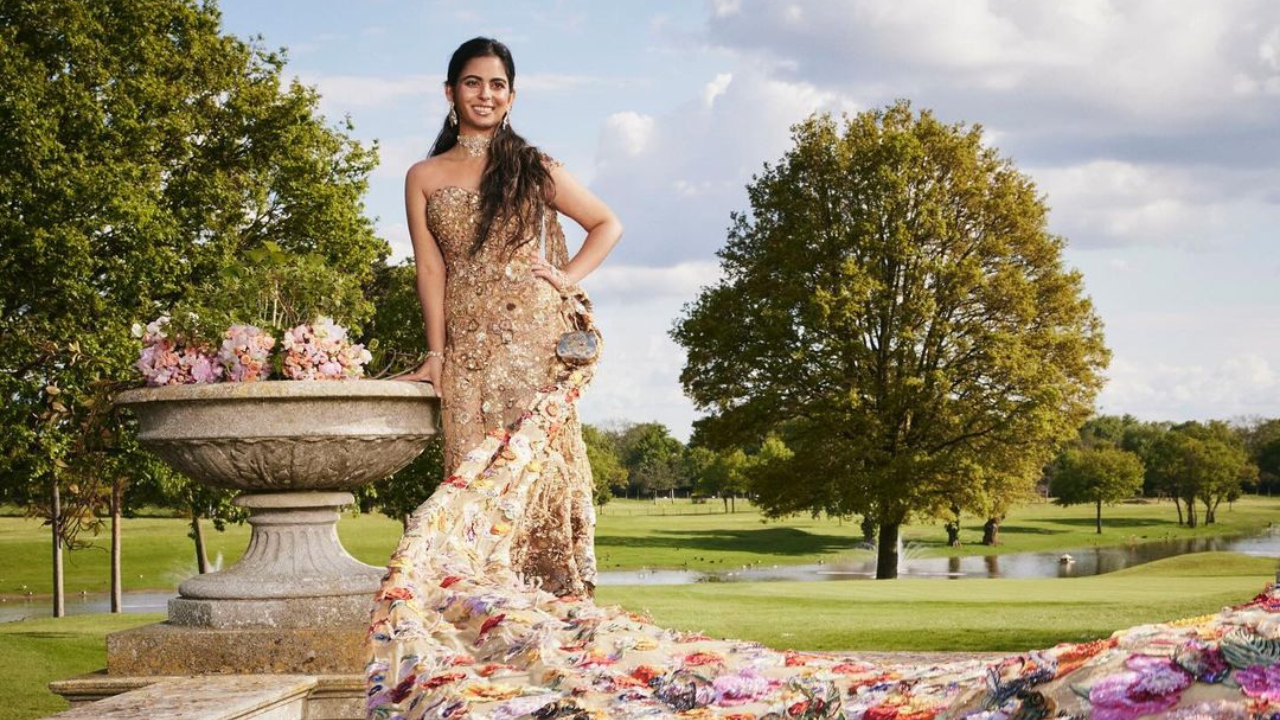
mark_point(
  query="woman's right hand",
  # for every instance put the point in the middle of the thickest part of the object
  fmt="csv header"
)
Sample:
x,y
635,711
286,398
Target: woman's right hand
x,y
428,371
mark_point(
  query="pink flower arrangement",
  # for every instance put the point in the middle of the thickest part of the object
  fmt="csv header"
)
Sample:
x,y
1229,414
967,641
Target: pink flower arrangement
x,y
318,351
321,351
169,361
245,353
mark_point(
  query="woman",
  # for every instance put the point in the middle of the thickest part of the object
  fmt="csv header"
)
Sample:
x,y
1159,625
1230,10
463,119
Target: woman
x,y
483,613
478,210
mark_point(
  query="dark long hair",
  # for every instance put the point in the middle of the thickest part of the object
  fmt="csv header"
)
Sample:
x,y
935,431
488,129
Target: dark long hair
x,y
516,185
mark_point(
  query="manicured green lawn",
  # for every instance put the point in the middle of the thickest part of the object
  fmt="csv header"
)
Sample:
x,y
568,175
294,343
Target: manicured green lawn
x,y
630,534
971,614
968,614
37,652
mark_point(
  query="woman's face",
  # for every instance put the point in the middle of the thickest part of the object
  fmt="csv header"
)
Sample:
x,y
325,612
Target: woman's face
x,y
483,96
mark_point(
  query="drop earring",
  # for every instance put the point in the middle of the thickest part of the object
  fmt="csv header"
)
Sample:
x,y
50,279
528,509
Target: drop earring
x,y
453,115
506,121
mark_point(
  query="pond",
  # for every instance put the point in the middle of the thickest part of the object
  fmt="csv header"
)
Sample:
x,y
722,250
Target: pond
x,y
1084,562
915,564
134,602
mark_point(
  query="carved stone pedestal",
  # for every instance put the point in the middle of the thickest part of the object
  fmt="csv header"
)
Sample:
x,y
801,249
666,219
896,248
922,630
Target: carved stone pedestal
x,y
295,572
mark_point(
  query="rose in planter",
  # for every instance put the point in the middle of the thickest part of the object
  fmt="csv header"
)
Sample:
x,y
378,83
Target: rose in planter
x,y
246,353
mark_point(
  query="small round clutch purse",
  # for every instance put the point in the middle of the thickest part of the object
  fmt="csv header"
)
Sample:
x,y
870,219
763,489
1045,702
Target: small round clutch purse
x,y
578,347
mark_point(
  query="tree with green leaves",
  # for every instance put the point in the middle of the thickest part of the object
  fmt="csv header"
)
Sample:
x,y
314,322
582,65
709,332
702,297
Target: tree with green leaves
x,y
654,460
721,474
895,308
1201,462
143,153
607,470
1261,437
1097,474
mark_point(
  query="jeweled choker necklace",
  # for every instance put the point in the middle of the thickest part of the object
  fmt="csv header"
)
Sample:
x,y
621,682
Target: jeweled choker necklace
x,y
475,145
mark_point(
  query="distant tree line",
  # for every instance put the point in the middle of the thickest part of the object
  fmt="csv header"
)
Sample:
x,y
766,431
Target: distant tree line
x,y
1197,465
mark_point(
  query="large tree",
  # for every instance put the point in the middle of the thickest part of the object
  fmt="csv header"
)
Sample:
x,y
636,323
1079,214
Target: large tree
x,y
896,309
142,153
1096,474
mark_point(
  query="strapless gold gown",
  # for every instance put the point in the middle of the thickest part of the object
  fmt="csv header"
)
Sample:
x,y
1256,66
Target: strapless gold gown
x,y
503,324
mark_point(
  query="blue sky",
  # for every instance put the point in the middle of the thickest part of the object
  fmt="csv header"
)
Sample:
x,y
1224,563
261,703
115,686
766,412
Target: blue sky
x,y
1151,126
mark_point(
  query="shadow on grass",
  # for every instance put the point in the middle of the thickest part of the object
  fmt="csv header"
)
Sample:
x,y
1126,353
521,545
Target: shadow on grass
x,y
1115,523
765,541
1027,530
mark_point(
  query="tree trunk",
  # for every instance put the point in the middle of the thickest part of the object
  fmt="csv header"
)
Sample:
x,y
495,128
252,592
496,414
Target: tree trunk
x,y
725,498
404,522
117,499
1097,522
868,529
733,503
1178,504
953,528
991,531
59,607
1191,512
1211,511
202,557
953,533
887,558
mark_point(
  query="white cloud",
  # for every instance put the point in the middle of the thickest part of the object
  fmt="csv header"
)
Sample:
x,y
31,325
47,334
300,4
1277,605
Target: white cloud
x,y
1078,68
639,375
1109,202
674,178
716,88
725,8
1246,384
364,91
628,132
616,282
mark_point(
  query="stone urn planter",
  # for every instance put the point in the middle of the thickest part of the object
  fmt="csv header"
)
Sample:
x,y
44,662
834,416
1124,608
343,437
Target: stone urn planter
x,y
295,450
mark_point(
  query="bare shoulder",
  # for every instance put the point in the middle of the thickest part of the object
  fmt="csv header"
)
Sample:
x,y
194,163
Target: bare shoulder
x,y
423,173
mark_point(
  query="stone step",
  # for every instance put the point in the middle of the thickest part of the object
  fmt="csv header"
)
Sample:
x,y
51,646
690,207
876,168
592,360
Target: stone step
x,y
208,697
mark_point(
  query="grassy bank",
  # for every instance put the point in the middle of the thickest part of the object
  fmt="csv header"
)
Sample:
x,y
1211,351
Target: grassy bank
x,y
1009,615
970,614
630,534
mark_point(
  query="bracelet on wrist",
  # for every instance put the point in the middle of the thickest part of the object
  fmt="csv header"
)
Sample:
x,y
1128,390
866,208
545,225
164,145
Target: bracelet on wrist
x,y
435,353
